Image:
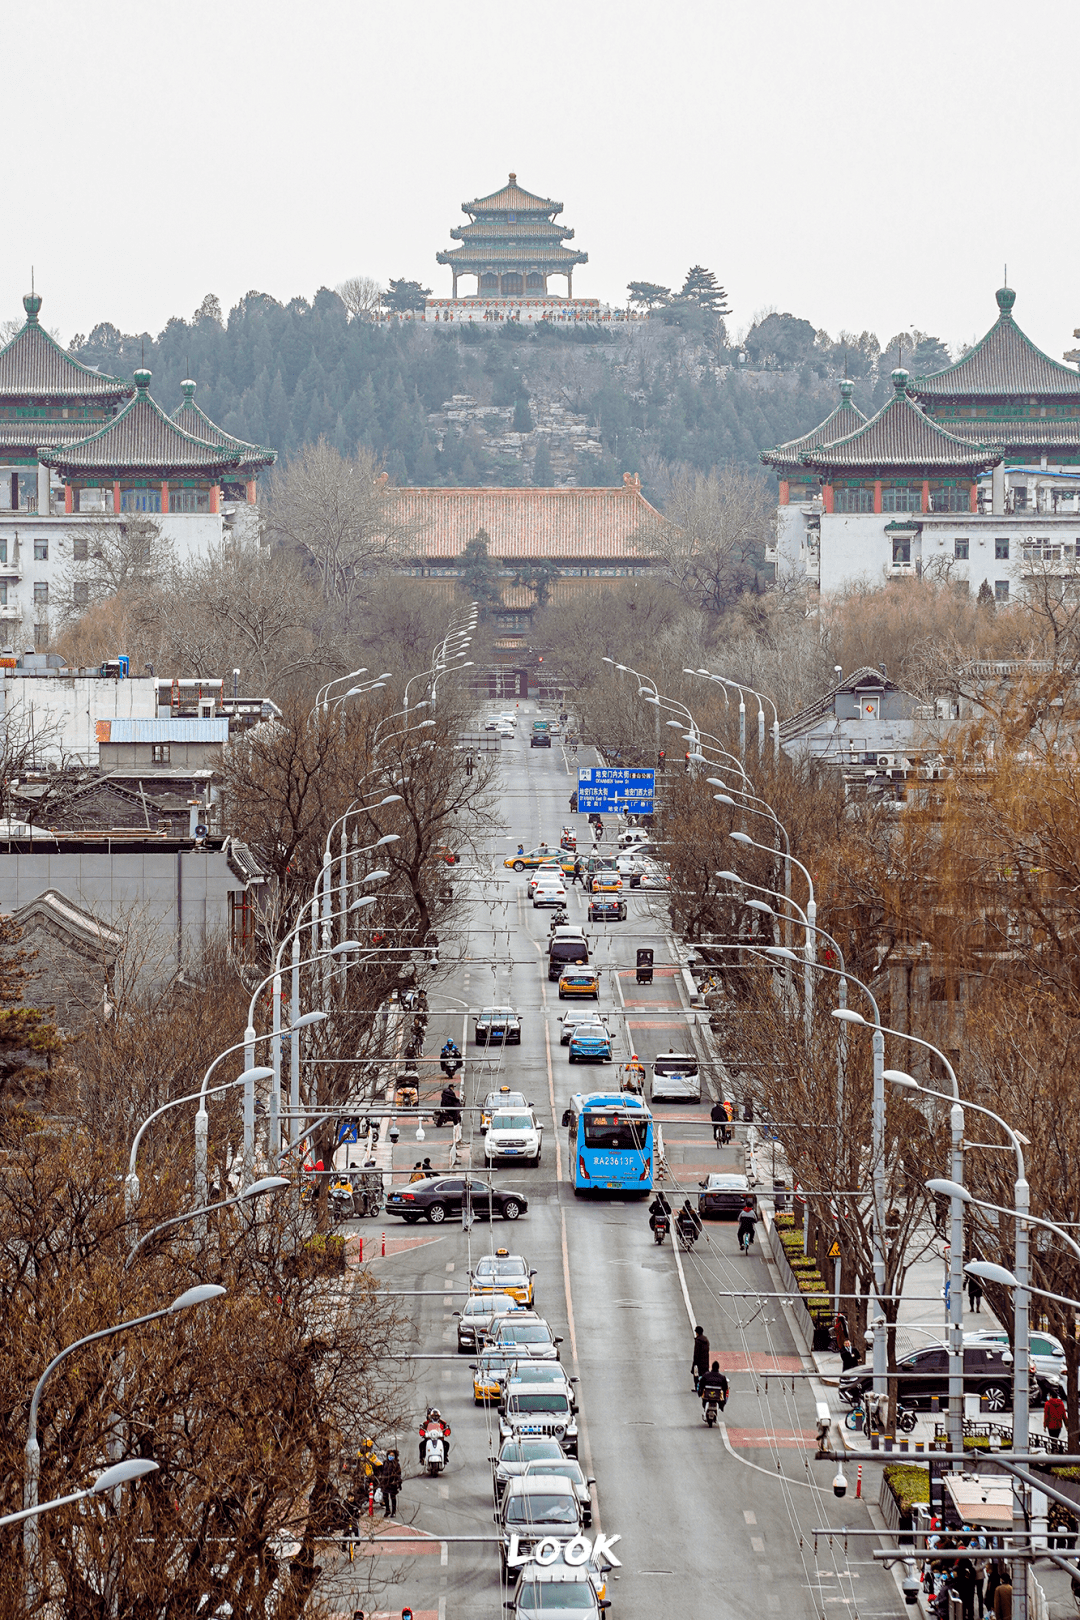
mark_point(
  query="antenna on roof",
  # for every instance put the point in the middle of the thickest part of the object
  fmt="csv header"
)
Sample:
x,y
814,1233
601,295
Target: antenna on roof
x,y
1006,281
31,279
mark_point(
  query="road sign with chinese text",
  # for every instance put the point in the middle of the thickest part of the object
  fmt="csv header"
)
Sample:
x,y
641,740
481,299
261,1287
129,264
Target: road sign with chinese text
x,y
614,788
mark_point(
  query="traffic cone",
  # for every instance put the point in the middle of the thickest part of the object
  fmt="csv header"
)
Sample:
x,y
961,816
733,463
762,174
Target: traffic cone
x,y
371,1501
384,1243
858,1482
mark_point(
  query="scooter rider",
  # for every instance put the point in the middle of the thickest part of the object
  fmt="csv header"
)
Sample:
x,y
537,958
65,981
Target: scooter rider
x,y
689,1223
449,1110
714,1385
748,1216
450,1059
720,1124
434,1420
659,1206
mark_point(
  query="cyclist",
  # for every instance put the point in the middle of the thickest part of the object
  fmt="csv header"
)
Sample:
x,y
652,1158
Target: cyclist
x,y
748,1216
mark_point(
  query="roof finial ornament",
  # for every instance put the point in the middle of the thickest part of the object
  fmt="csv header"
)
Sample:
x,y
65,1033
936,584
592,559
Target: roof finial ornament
x,y
900,379
142,379
1006,298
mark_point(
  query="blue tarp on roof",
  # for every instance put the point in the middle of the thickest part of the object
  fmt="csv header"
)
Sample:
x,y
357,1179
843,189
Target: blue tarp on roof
x,y
168,731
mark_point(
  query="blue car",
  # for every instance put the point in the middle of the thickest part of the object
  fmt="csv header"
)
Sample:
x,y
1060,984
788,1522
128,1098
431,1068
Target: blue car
x,y
590,1043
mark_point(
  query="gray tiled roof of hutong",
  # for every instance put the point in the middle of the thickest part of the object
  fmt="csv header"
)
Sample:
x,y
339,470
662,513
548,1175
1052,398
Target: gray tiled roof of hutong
x,y
845,418
1005,362
900,436
141,438
33,366
194,420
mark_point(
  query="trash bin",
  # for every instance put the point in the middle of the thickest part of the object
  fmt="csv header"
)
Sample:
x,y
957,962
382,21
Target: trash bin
x,y
780,1196
644,966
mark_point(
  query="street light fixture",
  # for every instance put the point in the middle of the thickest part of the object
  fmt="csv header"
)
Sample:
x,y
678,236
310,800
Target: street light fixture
x,y
112,1478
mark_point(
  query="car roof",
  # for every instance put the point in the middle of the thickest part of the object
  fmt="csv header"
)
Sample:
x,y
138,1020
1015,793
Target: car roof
x,y
503,1259
728,1178
505,1099
525,1485
518,1108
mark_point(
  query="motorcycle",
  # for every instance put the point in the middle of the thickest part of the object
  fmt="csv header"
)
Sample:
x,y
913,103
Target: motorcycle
x,y
449,1109
660,1228
434,1450
710,1408
341,1200
687,1235
558,919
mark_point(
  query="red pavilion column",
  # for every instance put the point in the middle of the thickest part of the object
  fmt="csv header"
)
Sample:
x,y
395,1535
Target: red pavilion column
x,y
973,499
69,499
164,495
926,495
827,496
215,498
877,494
250,490
784,492
116,498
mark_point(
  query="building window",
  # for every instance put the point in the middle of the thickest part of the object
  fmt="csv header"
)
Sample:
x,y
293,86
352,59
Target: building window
x,y
80,549
80,593
41,593
1001,550
160,753
853,500
140,500
901,500
189,500
901,551
41,551
243,921
1001,590
3,596
3,552
960,550
949,500
41,635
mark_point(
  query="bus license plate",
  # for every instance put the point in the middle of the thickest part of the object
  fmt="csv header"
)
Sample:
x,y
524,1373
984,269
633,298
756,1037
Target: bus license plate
x,y
615,1184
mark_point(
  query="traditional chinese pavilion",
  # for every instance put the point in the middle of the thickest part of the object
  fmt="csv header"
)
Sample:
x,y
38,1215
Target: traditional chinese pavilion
x,y
797,481
973,472
77,446
512,244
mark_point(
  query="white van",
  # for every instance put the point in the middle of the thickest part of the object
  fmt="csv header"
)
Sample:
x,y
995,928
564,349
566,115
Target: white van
x,y
676,1077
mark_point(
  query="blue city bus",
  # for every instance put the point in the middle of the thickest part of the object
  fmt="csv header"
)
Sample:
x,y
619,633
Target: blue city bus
x,y
610,1142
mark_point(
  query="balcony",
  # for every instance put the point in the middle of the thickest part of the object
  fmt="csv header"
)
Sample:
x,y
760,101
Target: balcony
x,y
898,570
9,612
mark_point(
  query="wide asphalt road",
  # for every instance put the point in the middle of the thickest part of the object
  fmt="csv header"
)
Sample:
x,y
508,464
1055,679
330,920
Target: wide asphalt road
x,y
713,1522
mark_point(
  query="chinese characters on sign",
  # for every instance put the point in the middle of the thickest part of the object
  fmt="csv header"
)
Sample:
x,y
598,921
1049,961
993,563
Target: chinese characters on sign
x,y
613,788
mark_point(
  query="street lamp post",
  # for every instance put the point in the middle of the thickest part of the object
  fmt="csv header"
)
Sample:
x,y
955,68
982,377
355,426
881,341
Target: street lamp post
x,y
811,915
258,1189
110,1480
191,1296
956,1234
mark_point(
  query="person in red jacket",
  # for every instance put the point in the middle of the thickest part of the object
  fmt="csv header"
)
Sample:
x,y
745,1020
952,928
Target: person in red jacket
x,y
1055,1413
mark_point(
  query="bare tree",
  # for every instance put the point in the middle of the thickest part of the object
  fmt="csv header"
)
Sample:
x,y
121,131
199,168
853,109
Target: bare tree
x,y
361,295
711,540
130,552
337,513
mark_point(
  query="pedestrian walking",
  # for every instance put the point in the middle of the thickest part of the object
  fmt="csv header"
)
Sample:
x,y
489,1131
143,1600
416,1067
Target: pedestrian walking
x,y
699,1366
975,1294
1055,1413
848,1357
576,874
964,1581
417,1172
390,1480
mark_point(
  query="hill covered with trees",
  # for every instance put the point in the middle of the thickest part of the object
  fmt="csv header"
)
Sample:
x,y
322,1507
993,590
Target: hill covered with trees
x,y
663,392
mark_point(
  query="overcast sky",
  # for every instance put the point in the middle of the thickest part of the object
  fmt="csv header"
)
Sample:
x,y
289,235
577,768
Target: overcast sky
x,y
861,166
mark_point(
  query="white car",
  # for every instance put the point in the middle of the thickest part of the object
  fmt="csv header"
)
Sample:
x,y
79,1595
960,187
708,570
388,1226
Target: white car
x,y
632,836
505,729
549,891
578,1015
514,1134
549,869
491,723
1045,1350
509,718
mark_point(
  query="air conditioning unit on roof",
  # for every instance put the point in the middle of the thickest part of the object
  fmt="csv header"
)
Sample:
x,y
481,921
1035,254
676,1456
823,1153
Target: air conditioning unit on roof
x,y
886,761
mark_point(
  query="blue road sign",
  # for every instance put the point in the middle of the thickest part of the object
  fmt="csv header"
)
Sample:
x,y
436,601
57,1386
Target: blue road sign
x,y
614,788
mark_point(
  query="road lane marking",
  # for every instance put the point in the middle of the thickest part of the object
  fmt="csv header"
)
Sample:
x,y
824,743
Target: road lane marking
x,y
757,1543
807,1485
751,1518
584,1447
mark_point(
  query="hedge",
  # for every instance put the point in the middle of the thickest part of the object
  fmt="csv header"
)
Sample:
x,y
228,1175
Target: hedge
x,y
907,1483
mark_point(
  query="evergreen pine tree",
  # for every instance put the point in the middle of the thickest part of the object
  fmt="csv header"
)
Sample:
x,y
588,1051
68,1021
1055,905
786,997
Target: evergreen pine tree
x,y
543,475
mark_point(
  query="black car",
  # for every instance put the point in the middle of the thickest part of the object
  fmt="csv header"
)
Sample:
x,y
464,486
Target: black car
x,y
436,1197
607,908
925,1373
540,739
498,1024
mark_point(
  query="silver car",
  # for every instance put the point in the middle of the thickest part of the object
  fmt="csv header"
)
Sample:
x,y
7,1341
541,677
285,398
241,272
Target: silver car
x,y
570,1469
571,1593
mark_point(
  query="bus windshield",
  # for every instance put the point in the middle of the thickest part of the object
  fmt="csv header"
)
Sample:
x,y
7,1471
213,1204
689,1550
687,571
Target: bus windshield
x,y
614,1130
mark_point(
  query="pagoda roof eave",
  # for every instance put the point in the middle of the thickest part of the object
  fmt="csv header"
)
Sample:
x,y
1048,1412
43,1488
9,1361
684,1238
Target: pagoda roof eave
x,y
900,438
37,369
1004,363
141,438
843,420
194,421
462,258
513,198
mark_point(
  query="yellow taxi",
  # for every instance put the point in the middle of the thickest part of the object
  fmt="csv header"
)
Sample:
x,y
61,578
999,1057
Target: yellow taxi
x,y
605,882
579,981
503,1273
541,856
490,1372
